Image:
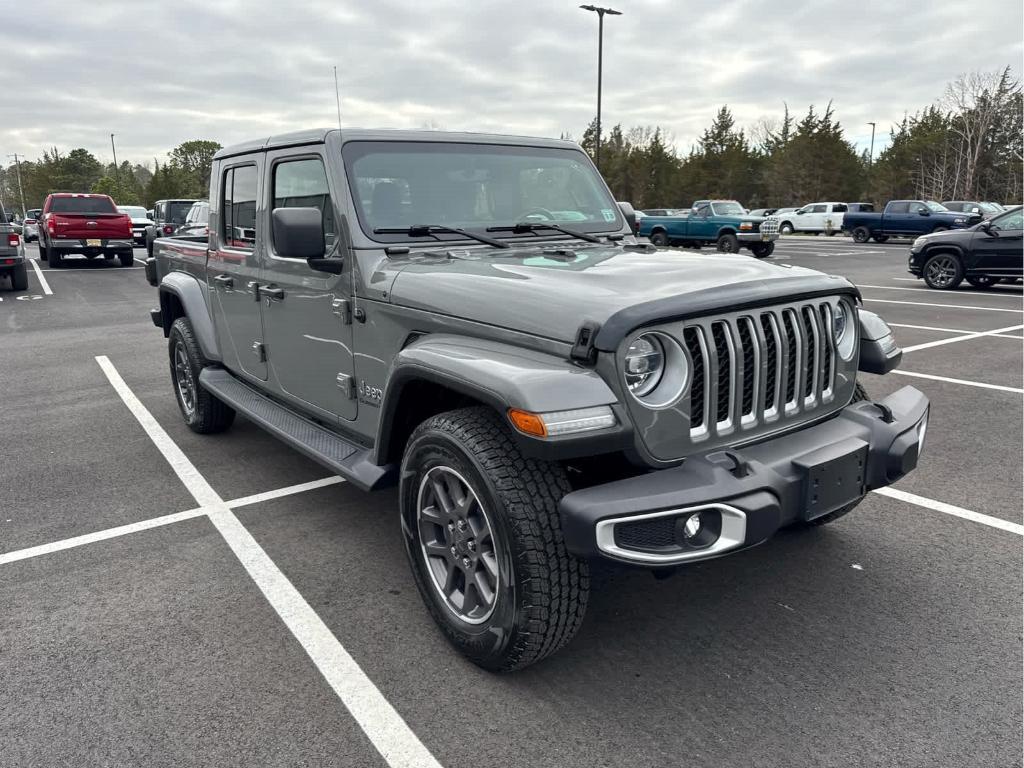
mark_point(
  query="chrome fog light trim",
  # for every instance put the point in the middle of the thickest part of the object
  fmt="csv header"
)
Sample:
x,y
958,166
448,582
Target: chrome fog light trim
x,y
733,533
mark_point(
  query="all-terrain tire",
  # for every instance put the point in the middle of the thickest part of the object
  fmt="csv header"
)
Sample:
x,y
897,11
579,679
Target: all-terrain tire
x,y
762,250
541,591
19,278
859,394
660,239
204,413
728,243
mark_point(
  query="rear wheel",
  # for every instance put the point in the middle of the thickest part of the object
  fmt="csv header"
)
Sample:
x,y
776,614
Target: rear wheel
x,y
728,243
203,413
881,238
982,281
54,258
484,541
19,278
861,235
859,394
659,238
943,272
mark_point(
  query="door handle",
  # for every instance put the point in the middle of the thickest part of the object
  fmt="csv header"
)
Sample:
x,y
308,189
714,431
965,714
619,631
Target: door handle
x,y
226,280
270,293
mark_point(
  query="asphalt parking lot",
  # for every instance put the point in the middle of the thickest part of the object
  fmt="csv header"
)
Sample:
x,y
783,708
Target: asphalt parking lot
x,y
173,599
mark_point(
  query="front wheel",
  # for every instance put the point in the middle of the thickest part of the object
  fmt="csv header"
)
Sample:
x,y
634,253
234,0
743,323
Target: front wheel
x,y
762,250
786,228
943,272
728,243
861,235
203,413
484,541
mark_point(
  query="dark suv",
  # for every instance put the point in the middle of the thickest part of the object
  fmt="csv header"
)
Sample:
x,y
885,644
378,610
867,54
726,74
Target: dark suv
x,y
168,215
983,254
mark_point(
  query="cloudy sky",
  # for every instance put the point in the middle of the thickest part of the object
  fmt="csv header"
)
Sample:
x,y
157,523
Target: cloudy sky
x,y
157,74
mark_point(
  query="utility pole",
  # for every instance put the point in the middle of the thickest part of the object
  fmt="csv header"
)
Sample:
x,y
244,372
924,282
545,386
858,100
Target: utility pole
x,y
600,65
337,96
114,150
21,189
871,152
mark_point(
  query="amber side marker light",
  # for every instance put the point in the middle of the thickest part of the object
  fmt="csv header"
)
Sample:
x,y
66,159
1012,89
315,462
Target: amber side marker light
x,y
527,423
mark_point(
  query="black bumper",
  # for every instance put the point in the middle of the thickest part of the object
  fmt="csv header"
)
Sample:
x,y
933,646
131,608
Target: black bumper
x,y
745,495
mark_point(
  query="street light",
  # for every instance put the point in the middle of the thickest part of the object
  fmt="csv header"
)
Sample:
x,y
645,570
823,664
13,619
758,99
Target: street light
x,y
871,152
600,53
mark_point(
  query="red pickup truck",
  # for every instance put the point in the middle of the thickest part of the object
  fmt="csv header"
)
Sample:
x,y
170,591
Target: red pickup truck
x,y
86,224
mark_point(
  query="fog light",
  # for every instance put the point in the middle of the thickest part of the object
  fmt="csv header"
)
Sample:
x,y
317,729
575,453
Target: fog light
x,y
692,526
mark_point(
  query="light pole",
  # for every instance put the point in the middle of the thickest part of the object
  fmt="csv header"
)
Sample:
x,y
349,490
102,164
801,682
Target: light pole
x,y
600,55
871,152
21,189
114,150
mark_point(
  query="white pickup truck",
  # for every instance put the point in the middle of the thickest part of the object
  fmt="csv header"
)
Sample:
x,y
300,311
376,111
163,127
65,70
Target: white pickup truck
x,y
816,217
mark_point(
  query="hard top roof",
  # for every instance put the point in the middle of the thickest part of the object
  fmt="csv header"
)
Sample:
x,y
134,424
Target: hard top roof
x,y
319,135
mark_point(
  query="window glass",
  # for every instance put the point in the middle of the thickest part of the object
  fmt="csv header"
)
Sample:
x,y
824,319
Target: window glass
x,y
728,208
954,206
819,208
239,207
82,205
303,184
931,205
1008,221
475,186
899,208
839,208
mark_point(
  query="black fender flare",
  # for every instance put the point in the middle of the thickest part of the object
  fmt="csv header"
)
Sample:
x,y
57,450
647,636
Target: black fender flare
x,y
192,298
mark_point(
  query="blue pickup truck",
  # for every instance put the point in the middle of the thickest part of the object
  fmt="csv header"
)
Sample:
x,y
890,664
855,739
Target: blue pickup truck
x,y
723,223
905,218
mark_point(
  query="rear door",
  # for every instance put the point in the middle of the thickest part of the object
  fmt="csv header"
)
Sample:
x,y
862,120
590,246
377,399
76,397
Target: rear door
x,y
307,314
233,266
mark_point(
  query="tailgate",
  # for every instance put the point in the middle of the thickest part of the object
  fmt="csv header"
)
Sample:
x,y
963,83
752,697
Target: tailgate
x,y
89,225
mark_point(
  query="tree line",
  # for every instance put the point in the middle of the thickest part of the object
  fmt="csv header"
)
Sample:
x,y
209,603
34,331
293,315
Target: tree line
x,y
185,174
965,146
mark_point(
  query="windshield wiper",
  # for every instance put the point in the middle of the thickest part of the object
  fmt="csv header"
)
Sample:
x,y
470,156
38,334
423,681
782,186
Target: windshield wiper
x,y
429,230
530,226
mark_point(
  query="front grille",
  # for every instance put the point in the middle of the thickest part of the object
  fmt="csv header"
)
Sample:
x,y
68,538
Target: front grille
x,y
770,225
781,359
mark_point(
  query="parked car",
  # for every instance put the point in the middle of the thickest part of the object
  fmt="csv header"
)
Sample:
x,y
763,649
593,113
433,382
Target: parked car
x,y
30,226
816,217
12,254
664,211
722,223
905,218
84,223
983,254
763,211
985,210
140,222
196,221
167,216
543,391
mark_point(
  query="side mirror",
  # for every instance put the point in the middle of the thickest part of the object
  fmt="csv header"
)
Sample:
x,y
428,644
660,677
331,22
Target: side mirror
x,y
298,233
986,227
630,214
800,212
923,212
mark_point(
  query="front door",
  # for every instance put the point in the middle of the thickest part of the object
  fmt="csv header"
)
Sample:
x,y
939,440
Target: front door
x,y
233,270
307,314
1001,251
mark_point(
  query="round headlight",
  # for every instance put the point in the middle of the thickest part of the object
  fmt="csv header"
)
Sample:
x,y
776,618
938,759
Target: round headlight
x,y
843,332
645,364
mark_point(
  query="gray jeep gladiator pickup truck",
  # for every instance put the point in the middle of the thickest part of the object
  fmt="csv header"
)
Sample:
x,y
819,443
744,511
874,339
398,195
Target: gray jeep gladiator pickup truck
x,y
470,318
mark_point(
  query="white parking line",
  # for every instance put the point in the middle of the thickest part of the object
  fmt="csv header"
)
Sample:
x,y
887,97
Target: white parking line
x,y
954,339
949,509
281,492
945,306
385,728
955,330
990,294
42,279
965,382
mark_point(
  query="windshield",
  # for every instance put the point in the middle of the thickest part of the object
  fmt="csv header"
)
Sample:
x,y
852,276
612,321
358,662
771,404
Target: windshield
x,y
177,210
990,207
33,213
728,208
936,207
135,211
82,205
474,187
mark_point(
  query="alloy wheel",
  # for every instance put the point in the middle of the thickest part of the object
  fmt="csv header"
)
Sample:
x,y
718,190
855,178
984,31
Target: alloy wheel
x,y
941,271
184,380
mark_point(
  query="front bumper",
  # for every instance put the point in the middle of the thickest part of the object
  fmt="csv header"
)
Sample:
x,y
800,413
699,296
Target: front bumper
x,y
757,237
746,495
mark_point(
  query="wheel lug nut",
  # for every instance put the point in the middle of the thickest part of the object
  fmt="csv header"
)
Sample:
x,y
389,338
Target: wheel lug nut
x,y
471,545
451,526
465,562
462,525
453,549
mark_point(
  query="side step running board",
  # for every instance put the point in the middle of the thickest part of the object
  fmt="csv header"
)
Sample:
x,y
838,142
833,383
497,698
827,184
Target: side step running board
x,y
347,459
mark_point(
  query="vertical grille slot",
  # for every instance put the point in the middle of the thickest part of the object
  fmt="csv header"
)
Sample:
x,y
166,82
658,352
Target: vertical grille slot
x,y
793,369
720,338
827,366
691,337
810,346
747,344
771,360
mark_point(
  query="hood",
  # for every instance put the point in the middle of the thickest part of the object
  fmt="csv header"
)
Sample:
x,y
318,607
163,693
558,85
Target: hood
x,y
544,294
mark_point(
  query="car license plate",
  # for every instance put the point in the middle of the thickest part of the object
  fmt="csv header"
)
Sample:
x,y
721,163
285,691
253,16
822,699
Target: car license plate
x,y
834,476
765,236
95,243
